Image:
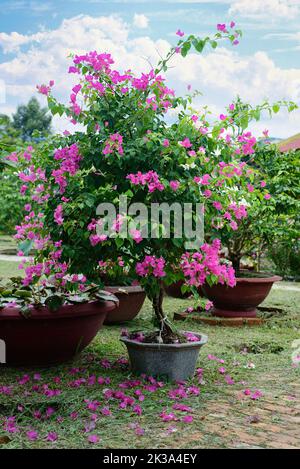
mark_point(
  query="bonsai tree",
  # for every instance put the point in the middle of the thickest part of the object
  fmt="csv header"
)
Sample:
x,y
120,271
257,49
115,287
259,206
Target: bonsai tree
x,y
128,152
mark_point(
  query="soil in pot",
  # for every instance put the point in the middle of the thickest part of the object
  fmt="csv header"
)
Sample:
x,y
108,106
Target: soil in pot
x,y
48,338
174,362
251,290
131,300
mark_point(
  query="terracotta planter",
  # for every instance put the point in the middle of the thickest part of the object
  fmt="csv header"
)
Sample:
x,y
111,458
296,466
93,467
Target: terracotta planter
x,y
240,301
174,290
131,300
47,337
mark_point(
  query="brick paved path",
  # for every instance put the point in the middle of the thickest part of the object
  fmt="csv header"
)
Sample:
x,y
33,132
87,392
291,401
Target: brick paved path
x,y
237,422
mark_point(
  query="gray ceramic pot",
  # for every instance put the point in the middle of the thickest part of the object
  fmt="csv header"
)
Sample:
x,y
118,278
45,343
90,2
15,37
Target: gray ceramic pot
x,y
176,362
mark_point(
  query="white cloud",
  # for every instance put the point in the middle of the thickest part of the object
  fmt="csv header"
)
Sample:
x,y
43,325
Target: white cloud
x,y
265,9
140,21
223,74
220,75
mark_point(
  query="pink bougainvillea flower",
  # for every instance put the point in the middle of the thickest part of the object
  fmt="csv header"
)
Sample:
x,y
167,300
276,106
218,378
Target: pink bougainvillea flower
x,y
174,185
182,407
263,184
187,419
191,337
106,411
52,436
136,236
267,196
232,24
229,380
93,439
137,409
180,33
32,435
58,215
208,305
256,395
194,390
168,417
44,89
185,143
166,142
222,27
217,205
151,265
177,393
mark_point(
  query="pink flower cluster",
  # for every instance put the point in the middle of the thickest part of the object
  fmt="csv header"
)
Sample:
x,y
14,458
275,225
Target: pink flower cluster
x,y
44,89
70,159
151,265
114,143
98,62
58,215
151,179
247,141
198,266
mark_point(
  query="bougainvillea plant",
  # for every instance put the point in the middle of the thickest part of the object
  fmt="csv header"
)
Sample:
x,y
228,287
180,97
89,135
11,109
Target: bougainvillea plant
x,y
127,149
257,211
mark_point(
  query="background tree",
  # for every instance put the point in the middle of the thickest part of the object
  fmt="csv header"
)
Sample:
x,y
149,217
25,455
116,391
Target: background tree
x,y
11,201
32,117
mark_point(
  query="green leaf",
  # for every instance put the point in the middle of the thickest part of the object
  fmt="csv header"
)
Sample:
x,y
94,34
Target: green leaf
x,y
185,48
198,45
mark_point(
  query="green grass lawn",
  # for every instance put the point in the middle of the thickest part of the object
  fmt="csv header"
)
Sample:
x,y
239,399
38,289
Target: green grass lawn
x,y
266,366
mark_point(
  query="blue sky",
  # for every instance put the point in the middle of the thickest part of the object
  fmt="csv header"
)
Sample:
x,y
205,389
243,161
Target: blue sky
x,y
36,37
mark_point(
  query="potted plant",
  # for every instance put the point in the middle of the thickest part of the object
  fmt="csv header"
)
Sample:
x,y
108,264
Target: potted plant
x,y
51,321
259,214
128,157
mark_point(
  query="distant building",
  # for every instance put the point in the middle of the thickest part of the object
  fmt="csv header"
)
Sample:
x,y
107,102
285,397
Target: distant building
x,y
292,143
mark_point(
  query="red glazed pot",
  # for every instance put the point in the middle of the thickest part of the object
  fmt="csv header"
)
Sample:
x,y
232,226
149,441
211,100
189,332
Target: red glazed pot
x,y
131,300
46,337
174,290
241,300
